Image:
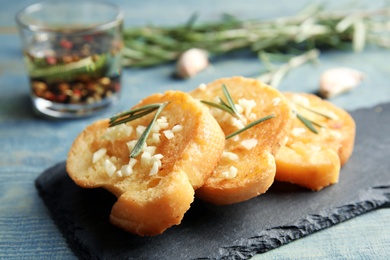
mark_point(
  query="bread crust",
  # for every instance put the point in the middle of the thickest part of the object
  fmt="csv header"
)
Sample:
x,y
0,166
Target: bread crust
x,y
314,160
255,167
149,204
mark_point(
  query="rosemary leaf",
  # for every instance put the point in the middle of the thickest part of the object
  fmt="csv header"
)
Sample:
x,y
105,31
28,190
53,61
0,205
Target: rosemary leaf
x,y
133,117
142,140
131,114
230,100
250,125
309,124
316,112
359,36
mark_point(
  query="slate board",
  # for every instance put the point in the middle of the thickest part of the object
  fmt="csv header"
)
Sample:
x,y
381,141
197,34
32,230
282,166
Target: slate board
x,y
285,213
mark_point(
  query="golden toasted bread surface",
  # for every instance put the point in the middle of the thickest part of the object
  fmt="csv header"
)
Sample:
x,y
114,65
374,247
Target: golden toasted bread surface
x,y
247,167
155,188
313,160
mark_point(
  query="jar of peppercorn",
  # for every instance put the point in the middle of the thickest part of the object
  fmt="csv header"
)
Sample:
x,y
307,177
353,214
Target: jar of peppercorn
x,y
72,51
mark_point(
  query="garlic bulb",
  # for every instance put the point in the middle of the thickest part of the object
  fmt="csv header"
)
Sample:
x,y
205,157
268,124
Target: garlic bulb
x,y
339,80
191,62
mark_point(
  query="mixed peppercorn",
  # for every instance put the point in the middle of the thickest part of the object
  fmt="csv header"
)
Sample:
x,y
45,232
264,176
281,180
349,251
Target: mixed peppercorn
x,y
81,69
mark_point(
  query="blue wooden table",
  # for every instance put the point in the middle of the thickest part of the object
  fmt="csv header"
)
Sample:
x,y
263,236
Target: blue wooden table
x,y
29,144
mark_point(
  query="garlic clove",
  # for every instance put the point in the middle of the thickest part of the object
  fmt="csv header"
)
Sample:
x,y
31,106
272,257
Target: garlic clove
x,y
336,81
191,62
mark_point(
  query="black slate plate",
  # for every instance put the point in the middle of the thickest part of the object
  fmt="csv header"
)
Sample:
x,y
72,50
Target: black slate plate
x,y
285,213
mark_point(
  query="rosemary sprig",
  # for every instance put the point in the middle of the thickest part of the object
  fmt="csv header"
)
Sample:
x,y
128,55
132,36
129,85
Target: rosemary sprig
x,y
316,28
137,113
249,126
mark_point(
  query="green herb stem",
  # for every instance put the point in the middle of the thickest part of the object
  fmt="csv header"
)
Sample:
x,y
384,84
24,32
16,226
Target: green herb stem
x,y
316,112
230,101
133,114
308,123
142,140
250,126
275,74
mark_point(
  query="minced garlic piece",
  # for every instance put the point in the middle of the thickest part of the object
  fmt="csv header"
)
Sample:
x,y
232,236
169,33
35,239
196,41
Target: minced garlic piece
x,y
119,131
151,149
231,156
132,162
131,144
276,101
169,134
235,138
335,134
299,99
99,154
232,173
126,170
297,131
237,123
154,169
162,122
156,163
252,116
249,143
157,158
248,105
109,167
145,158
155,139
177,128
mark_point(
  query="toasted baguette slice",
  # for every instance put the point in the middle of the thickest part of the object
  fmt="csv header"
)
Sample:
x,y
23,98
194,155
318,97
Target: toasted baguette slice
x,y
314,160
247,167
190,143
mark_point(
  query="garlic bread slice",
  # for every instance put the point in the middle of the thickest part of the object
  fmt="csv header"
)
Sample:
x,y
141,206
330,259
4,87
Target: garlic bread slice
x,y
156,187
247,167
311,159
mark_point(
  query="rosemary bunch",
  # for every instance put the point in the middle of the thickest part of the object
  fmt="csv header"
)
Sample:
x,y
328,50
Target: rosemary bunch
x,y
316,28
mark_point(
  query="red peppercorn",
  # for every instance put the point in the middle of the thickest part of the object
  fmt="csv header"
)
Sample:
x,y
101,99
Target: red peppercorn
x,y
66,44
76,92
51,60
